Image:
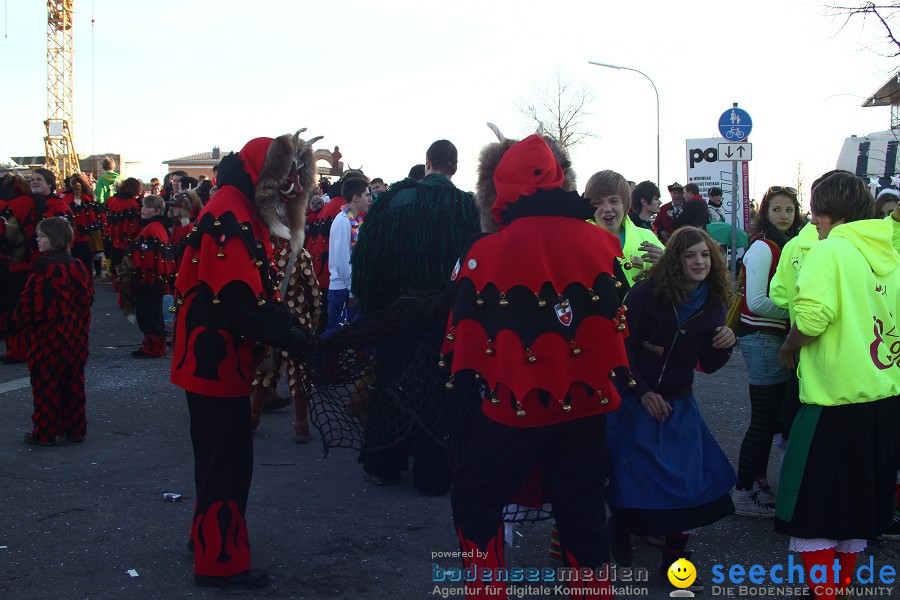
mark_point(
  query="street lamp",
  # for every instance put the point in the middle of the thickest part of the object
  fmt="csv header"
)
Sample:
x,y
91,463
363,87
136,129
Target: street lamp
x,y
608,66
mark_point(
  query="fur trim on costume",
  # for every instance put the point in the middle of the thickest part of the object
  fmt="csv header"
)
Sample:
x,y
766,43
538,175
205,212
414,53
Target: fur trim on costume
x,y
276,196
486,192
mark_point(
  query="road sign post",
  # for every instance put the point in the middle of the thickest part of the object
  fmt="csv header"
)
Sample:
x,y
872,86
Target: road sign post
x,y
735,125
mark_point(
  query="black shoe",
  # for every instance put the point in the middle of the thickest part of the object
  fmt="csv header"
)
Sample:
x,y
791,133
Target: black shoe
x,y
30,439
250,579
620,543
139,353
6,359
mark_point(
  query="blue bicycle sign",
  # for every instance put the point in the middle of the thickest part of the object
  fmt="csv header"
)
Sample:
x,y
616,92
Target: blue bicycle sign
x,y
735,124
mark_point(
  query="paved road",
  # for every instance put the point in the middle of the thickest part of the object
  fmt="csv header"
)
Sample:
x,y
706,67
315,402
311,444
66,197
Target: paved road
x,y
88,521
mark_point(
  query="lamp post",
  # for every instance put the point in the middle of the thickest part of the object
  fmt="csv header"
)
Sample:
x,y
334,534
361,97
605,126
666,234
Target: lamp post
x,y
608,66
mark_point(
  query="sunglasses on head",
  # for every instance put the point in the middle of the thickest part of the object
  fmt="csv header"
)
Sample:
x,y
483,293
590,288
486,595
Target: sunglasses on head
x,y
777,189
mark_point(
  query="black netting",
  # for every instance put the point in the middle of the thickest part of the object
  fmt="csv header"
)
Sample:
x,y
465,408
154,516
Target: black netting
x,y
378,388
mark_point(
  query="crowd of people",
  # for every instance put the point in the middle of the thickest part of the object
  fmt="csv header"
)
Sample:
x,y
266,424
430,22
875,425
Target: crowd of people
x,y
583,317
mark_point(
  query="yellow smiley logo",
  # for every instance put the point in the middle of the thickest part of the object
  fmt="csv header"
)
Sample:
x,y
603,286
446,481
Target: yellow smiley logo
x,y
682,573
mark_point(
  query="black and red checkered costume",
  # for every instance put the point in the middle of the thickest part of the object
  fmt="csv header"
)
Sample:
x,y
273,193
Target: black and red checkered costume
x,y
54,316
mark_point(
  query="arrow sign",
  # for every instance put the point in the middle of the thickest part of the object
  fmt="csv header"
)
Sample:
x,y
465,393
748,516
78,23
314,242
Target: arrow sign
x,y
737,152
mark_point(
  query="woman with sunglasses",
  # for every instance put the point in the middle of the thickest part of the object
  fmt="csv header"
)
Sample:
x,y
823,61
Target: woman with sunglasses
x,y
764,326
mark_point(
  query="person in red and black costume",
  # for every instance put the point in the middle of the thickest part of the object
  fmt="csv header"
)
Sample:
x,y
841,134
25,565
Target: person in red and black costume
x,y
123,223
151,259
22,215
54,315
187,209
227,310
86,217
536,314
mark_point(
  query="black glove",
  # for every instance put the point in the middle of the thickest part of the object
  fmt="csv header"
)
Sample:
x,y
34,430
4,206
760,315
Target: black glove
x,y
302,344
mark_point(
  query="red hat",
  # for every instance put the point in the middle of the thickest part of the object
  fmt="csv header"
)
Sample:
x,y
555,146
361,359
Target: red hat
x,y
528,166
254,156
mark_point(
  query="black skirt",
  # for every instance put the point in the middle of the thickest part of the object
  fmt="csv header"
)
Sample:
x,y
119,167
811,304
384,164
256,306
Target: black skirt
x,y
839,472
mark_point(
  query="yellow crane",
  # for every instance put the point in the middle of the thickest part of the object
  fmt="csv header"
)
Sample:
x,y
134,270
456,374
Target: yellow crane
x,y
59,146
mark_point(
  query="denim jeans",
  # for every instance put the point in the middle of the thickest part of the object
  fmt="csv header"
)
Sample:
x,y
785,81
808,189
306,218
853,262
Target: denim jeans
x,y
339,310
760,351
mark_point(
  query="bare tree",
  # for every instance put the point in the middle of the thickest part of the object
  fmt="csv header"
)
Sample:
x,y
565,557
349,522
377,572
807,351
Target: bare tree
x,y
885,15
562,106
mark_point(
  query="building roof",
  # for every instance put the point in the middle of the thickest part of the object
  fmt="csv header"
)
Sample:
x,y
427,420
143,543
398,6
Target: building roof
x,y
204,158
887,95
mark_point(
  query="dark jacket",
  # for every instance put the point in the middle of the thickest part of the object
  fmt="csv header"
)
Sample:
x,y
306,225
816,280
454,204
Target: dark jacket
x,y
663,355
694,212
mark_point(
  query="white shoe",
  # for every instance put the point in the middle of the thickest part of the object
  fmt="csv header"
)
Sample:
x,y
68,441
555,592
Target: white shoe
x,y
748,503
764,492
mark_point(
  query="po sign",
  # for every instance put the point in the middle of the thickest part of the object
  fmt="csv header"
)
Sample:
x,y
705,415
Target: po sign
x,y
698,155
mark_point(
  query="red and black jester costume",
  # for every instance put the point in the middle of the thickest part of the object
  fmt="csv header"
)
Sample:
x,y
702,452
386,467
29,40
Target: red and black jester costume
x,y
226,310
151,260
537,315
54,318
123,223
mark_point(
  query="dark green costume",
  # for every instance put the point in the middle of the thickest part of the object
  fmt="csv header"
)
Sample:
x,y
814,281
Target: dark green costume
x,y
410,240
408,244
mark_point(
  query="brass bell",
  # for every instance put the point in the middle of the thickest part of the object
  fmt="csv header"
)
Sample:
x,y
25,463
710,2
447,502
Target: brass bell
x,y
624,308
179,302
628,264
449,385
567,408
621,327
194,229
520,413
564,304
541,303
216,301
604,401
173,310
477,375
489,351
576,351
532,358
451,337
632,383
495,400
441,364
220,254
261,302
217,223
195,260
503,300
244,228
479,301
612,374
618,284
595,298
258,263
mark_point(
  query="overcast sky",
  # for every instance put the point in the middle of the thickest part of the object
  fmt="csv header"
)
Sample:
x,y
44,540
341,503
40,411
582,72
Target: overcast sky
x,y
163,79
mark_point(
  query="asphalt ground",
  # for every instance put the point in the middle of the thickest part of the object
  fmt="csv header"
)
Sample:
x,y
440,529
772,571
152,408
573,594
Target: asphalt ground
x,y
89,521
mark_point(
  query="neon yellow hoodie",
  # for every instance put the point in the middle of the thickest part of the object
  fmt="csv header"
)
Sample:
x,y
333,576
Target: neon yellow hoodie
x,y
783,286
634,237
848,294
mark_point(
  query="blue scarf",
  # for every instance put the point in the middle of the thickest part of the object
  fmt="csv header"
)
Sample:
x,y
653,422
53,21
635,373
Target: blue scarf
x,y
695,300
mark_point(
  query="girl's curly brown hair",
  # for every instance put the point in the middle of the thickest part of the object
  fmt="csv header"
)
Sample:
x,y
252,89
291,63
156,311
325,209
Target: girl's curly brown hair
x,y
669,271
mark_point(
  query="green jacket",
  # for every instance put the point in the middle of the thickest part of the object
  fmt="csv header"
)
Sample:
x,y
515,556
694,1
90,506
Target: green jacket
x,y
105,186
848,294
634,237
783,286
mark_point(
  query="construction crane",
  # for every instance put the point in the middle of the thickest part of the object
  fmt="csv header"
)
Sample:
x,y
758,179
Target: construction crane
x,y
59,147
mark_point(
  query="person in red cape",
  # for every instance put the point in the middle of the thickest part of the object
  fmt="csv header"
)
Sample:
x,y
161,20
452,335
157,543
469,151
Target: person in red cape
x,y
227,310
123,214
150,259
22,215
186,210
536,314
54,315
86,218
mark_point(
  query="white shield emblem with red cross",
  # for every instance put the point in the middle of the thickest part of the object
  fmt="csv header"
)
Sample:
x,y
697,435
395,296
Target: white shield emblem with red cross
x,y
564,313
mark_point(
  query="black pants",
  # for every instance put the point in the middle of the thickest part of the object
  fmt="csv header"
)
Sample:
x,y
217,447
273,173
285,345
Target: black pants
x,y
497,460
149,312
82,251
223,468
